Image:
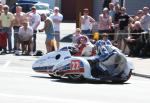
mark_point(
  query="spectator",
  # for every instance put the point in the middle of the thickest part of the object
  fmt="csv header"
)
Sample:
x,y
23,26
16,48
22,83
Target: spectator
x,y
19,17
57,18
34,22
145,20
124,21
6,22
25,39
1,11
86,22
117,14
111,11
49,31
105,22
139,15
76,35
1,8
134,40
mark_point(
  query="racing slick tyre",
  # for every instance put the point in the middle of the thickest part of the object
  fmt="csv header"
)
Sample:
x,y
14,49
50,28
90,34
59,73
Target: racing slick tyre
x,y
55,77
76,77
122,81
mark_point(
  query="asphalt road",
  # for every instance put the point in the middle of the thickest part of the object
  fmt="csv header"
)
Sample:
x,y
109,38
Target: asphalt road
x,y
20,84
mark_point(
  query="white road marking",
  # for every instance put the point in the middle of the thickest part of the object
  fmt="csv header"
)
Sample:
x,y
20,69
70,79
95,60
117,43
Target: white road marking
x,y
6,64
12,70
50,99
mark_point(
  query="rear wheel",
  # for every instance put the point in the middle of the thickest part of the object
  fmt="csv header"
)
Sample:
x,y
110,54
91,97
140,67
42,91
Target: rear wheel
x,y
76,77
55,77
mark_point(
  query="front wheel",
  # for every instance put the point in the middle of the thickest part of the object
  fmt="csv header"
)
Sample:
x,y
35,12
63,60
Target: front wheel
x,y
124,80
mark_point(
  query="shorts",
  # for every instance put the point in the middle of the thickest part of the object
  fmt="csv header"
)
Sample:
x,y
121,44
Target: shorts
x,y
57,36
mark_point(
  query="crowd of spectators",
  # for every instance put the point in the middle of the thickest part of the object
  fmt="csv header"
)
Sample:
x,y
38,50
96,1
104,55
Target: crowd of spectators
x,y
129,33
24,26
123,30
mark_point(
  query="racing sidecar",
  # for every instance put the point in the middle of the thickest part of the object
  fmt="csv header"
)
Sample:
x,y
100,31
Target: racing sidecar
x,y
62,63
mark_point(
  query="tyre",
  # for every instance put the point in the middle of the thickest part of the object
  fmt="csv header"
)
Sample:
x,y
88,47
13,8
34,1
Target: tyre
x,y
122,81
76,77
55,77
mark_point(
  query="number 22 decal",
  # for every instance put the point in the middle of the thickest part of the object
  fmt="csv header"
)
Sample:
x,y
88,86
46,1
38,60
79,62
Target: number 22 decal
x,y
75,64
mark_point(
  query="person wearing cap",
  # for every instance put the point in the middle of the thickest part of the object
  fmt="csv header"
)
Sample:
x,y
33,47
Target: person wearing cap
x,y
34,22
86,22
6,22
57,18
25,35
49,31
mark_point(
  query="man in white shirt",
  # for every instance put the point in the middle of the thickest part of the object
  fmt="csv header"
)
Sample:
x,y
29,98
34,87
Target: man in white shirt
x,y
25,38
57,18
34,22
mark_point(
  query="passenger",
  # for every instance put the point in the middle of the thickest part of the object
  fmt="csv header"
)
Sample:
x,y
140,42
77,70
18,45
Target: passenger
x,y
85,47
49,31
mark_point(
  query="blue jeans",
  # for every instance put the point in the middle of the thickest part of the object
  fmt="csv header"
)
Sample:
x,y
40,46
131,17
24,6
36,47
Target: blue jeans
x,y
8,30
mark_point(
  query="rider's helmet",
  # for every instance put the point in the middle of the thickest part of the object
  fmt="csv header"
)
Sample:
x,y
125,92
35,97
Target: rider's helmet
x,y
83,39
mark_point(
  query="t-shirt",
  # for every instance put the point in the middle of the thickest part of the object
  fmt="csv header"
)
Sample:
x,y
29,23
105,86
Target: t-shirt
x,y
34,20
58,17
25,35
123,21
6,19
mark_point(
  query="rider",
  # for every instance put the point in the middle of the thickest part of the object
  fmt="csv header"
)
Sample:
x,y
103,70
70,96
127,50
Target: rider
x,y
103,53
110,61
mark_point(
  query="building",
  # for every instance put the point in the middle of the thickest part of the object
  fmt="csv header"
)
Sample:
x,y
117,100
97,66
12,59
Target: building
x,y
134,5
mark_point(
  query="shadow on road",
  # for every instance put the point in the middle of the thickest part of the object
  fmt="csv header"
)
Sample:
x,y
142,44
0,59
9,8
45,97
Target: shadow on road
x,y
66,80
